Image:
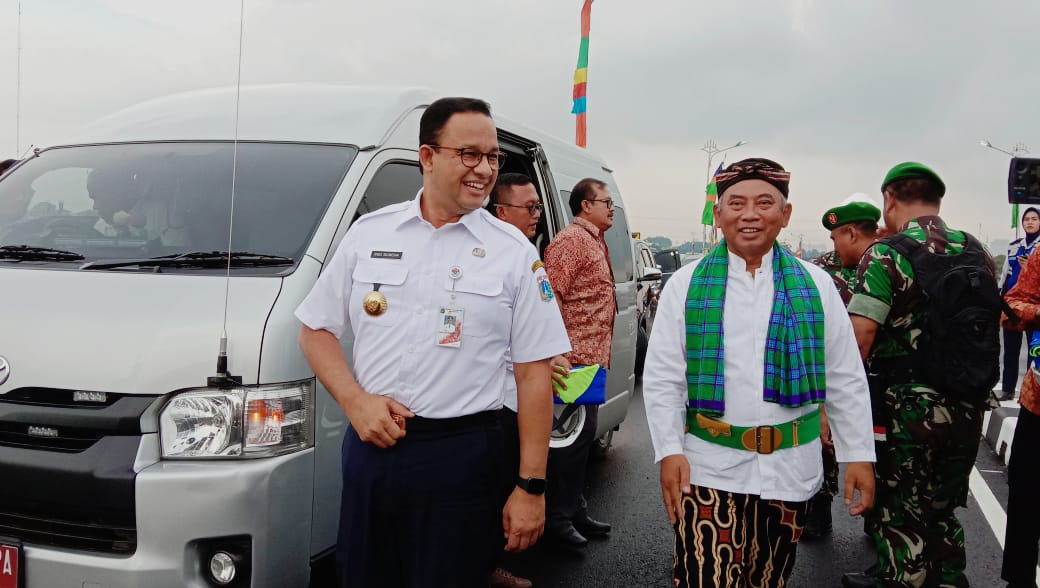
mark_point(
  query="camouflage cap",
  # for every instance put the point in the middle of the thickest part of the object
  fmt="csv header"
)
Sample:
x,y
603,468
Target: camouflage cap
x,y
850,213
912,169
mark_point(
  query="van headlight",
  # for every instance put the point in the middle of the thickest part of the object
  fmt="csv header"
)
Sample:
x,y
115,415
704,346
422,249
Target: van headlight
x,y
246,422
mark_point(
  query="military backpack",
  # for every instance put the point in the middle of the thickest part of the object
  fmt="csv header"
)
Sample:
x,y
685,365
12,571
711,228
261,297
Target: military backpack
x,y
958,350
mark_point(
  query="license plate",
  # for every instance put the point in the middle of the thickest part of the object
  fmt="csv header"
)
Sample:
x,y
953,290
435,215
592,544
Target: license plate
x,y
11,572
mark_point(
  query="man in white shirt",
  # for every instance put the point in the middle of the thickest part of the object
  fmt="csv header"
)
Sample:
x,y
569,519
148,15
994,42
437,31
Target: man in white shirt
x,y
734,379
434,291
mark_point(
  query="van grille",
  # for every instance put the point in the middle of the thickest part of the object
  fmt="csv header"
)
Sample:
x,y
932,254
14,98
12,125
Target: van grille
x,y
74,462
47,438
79,535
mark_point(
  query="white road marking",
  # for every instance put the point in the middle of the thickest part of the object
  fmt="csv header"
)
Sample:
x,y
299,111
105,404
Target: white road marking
x,y
991,509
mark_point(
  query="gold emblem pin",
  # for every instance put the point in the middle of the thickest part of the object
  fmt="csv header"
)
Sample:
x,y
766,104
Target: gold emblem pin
x,y
478,252
374,303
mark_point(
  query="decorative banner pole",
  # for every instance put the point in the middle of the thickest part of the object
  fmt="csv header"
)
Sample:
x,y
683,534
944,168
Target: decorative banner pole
x,y
581,76
711,190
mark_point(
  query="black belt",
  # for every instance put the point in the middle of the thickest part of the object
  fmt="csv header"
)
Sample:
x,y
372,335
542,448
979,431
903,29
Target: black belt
x,y
422,425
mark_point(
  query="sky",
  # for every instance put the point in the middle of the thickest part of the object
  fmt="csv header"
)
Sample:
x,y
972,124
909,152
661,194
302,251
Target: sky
x,y
836,91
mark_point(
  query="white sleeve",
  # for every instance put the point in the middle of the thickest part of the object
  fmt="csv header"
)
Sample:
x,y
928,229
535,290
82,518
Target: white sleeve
x,y
664,372
537,327
848,398
325,308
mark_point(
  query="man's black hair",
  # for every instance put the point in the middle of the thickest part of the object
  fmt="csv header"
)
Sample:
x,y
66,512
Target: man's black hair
x,y
584,190
437,114
866,227
508,180
916,190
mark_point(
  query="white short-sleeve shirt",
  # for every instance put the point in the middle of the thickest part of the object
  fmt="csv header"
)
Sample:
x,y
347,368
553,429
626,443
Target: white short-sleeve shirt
x,y
499,286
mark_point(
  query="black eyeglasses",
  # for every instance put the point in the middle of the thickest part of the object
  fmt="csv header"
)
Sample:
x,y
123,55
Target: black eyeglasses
x,y
531,208
472,157
608,201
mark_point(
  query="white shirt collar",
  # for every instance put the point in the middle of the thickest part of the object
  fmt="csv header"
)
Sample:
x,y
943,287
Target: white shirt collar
x,y
472,221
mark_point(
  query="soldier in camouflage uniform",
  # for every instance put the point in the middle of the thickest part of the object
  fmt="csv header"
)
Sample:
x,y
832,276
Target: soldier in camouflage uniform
x,y
853,227
930,440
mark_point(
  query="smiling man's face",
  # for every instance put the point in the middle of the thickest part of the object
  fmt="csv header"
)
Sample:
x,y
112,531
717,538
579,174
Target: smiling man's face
x,y
751,214
454,186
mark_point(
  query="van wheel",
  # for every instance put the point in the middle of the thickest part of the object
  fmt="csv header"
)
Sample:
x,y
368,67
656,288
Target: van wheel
x,y
568,422
600,447
642,339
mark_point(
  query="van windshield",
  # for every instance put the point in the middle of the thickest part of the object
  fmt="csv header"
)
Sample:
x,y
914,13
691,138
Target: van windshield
x,y
129,201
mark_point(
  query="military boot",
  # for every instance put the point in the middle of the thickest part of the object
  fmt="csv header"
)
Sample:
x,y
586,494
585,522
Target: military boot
x,y
819,520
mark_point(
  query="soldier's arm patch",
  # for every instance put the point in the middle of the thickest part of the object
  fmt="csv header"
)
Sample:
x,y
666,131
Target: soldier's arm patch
x,y
537,264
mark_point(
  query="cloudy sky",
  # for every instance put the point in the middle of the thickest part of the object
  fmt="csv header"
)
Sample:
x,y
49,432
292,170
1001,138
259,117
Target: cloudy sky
x,y
837,91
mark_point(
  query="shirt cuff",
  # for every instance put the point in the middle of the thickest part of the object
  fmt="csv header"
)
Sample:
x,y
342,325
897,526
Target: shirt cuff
x,y
872,308
671,448
856,456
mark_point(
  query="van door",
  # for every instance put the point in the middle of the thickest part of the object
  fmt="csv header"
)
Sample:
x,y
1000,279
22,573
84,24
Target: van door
x,y
392,176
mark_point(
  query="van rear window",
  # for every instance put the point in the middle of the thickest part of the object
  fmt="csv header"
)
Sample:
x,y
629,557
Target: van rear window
x,y
145,200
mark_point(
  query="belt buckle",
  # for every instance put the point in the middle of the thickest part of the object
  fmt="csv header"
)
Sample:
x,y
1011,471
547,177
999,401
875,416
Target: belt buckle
x,y
763,439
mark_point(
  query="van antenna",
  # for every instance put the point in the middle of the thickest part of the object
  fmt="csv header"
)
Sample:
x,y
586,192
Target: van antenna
x,y
18,86
224,379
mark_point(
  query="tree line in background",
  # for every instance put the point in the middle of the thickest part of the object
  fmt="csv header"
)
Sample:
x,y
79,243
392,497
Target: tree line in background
x,y
663,243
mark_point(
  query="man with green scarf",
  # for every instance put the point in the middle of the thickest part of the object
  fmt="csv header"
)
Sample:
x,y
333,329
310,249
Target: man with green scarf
x,y
747,345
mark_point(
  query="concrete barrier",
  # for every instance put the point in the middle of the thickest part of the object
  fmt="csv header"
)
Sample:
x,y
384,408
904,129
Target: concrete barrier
x,y
998,428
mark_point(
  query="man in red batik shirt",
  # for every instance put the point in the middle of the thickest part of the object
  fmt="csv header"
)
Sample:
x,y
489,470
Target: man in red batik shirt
x,y
578,265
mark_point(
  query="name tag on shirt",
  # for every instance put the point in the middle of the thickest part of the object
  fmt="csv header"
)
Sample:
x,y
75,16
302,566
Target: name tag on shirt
x,y
449,326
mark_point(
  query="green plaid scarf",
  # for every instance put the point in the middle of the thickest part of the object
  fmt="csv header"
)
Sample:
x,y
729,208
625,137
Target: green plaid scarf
x,y
794,367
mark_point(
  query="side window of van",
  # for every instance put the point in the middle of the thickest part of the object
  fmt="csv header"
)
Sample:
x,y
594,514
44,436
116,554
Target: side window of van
x,y
395,182
620,243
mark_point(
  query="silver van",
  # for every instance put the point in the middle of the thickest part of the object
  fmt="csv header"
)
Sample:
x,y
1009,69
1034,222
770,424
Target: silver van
x,y
159,425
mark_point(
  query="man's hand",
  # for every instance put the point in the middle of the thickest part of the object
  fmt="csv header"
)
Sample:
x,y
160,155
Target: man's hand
x,y
859,475
675,481
372,416
523,519
560,369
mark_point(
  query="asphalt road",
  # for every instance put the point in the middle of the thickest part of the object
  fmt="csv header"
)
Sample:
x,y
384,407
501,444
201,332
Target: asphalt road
x,y
623,489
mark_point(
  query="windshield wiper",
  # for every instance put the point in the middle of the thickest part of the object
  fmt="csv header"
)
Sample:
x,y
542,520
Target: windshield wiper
x,y
203,259
29,253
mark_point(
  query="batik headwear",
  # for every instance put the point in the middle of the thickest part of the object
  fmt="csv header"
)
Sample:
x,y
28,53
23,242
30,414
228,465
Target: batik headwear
x,y
754,168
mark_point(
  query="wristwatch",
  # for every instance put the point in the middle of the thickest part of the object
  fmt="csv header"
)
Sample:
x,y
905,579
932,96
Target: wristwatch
x,y
534,486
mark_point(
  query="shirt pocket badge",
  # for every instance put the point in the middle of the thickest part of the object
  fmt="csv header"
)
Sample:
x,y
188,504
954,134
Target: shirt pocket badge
x,y
479,296
377,292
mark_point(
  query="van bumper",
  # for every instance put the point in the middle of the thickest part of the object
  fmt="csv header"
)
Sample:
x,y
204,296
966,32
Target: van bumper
x,y
181,507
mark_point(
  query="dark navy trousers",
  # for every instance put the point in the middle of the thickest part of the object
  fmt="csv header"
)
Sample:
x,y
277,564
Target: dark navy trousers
x,y
565,497
425,512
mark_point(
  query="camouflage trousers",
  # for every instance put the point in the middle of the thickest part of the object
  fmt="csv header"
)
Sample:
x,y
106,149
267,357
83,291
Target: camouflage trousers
x,y
830,474
922,477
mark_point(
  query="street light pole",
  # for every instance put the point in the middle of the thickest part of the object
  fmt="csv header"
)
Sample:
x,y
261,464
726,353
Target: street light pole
x,y
1018,148
712,149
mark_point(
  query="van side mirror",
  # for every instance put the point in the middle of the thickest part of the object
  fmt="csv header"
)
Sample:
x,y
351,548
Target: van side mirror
x,y
650,274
